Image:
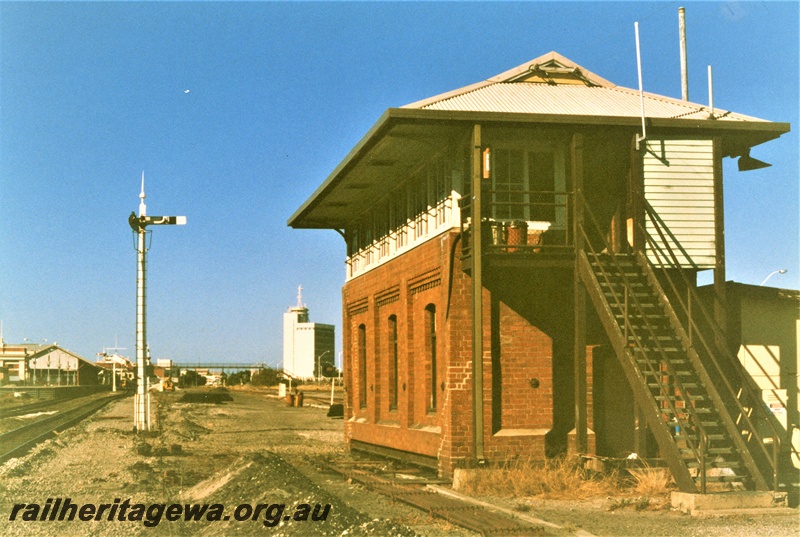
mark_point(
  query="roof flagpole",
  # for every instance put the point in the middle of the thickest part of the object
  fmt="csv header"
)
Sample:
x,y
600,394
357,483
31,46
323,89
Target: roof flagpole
x,y
643,137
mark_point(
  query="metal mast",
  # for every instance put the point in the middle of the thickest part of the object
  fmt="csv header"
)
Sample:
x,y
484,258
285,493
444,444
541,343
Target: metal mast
x,y
141,404
684,62
141,399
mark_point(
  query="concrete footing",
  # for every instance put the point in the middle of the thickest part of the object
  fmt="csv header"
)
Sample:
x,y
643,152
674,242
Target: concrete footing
x,y
725,503
572,443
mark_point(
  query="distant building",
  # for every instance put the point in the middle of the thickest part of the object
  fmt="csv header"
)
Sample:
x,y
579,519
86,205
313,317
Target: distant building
x,y
763,327
164,368
14,361
114,364
42,365
53,366
308,348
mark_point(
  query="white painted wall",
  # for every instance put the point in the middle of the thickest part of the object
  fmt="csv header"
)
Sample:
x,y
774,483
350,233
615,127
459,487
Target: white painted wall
x,y
679,184
301,344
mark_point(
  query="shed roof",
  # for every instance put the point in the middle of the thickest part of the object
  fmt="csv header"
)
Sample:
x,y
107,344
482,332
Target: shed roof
x,y
53,356
550,89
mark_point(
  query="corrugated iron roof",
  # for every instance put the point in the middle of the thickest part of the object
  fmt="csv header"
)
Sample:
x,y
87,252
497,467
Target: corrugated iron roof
x,y
550,89
572,100
554,85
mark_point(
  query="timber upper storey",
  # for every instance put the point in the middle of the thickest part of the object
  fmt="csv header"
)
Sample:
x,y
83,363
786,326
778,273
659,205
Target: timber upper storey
x,y
401,184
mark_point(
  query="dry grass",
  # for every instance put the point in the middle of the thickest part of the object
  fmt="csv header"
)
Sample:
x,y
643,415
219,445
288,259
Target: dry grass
x,y
552,479
562,479
652,486
651,481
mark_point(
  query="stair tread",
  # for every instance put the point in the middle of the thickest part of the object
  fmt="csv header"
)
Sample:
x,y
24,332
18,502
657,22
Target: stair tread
x,y
724,478
697,437
654,344
673,372
694,463
711,451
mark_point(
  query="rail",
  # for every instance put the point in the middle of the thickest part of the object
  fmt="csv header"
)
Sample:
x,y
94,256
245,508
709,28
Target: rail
x,y
419,494
21,439
20,410
521,222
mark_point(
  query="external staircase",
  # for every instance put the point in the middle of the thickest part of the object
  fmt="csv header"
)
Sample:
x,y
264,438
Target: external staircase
x,y
709,424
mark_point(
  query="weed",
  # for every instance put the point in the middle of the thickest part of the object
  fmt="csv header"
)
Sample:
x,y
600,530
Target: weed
x,y
567,479
522,507
651,481
558,478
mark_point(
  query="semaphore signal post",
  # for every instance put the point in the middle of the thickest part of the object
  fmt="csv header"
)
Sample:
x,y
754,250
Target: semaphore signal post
x,y
141,414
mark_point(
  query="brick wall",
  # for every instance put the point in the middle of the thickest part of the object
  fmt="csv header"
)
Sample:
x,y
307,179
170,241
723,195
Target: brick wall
x,y
518,358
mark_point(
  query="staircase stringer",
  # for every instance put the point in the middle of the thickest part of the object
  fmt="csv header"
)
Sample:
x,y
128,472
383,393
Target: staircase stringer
x,y
638,383
730,425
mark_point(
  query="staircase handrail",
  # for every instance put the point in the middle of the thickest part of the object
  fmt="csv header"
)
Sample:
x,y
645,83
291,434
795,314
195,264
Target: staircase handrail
x,y
658,374
663,226
671,257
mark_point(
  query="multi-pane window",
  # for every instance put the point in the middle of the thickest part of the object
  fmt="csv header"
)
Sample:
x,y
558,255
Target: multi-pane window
x,y
509,183
382,226
419,194
408,214
362,365
524,184
399,216
393,363
368,235
541,166
440,185
430,332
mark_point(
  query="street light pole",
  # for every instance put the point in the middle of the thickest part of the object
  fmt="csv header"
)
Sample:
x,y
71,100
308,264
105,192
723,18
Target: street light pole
x,y
773,273
319,364
141,415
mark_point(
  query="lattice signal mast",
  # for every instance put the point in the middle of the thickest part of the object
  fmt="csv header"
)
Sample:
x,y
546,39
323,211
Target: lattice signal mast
x,y
141,414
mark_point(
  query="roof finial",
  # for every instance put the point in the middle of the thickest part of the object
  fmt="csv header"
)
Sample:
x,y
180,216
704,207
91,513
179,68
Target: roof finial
x,y
300,296
142,206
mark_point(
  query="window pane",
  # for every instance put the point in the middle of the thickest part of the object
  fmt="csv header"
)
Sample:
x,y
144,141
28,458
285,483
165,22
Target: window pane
x,y
393,369
542,167
430,314
362,366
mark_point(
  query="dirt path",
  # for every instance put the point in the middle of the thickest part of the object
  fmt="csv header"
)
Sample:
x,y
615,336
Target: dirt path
x,y
229,454
250,456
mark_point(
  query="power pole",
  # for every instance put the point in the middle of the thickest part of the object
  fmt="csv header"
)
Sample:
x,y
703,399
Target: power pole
x,y
141,402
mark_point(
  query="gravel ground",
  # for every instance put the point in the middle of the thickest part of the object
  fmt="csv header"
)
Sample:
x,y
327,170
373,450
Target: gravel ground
x,y
255,450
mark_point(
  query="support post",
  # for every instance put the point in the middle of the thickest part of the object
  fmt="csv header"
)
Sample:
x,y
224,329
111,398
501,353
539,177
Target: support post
x,y
720,301
636,216
579,301
640,432
140,415
477,296
141,404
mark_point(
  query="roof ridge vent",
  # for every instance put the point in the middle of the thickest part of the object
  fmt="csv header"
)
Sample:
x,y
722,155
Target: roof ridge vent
x,y
552,72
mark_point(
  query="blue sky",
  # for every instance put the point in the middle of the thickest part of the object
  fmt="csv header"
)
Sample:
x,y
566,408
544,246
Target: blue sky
x,y
92,94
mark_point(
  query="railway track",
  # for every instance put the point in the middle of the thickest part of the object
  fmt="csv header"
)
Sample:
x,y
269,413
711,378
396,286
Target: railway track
x,y
39,406
21,410
449,508
19,440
